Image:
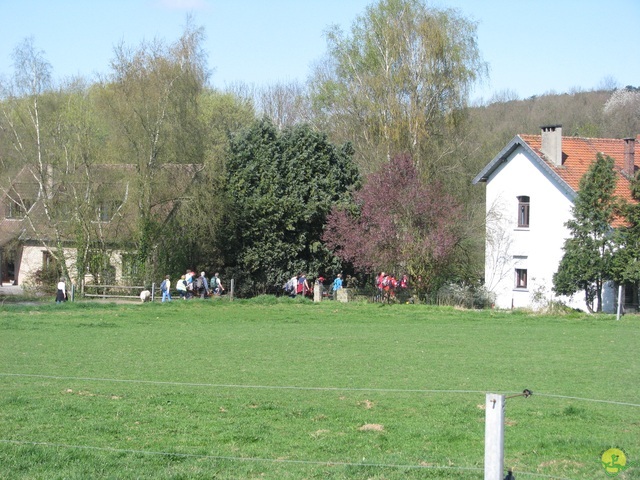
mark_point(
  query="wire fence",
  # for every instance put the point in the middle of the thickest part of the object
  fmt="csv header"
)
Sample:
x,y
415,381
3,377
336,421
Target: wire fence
x,y
468,469
271,460
326,389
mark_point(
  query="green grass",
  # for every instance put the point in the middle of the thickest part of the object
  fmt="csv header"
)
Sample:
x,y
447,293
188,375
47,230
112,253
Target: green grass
x,y
282,390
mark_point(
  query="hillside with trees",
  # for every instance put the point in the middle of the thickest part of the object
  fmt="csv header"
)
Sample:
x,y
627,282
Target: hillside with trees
x,y
242,181
597,113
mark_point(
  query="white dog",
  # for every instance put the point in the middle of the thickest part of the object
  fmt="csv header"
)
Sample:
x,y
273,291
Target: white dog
x,y
145,296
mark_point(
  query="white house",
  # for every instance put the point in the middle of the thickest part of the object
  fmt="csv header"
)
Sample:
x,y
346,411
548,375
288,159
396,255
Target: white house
x,y
530,189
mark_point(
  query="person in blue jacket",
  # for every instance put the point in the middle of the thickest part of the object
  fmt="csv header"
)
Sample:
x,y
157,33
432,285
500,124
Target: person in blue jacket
x,y
336,285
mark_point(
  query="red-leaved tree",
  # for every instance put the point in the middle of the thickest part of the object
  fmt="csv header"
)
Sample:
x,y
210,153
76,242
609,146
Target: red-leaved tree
x,y
398,224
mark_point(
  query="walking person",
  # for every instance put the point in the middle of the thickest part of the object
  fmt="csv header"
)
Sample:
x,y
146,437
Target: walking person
x,y
303,285
336,285
189,280
291,286
165,288
216,285
202,285
379,286
181,287
61,293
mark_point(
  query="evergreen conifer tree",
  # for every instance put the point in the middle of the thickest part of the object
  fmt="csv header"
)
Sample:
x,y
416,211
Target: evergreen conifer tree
x,y
587,261
626,260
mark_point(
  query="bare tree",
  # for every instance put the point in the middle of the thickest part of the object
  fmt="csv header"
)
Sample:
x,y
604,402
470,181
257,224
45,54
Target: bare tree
x,y
53,133
622,112
152,96
498,260
286,104
398,81
29,127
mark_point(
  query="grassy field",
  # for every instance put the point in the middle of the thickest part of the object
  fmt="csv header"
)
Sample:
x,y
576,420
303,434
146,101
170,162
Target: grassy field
x,y
270,389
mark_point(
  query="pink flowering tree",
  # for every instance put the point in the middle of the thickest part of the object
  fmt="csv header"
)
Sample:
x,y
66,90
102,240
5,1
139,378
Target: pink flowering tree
x,y
398,224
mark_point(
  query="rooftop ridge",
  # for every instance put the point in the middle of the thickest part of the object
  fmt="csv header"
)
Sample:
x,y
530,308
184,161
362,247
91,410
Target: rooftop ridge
x,y
576,137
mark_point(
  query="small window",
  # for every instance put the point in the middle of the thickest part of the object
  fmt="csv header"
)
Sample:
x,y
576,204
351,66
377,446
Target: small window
x,y
47,259
521,278
50,266
17,210
523,211
130,266
107,209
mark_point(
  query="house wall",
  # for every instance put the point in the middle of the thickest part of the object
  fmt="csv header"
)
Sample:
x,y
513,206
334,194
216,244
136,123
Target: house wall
x,y
538,249
30,262
31,259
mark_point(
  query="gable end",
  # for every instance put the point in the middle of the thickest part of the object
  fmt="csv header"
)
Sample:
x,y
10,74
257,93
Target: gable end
x,y
514,144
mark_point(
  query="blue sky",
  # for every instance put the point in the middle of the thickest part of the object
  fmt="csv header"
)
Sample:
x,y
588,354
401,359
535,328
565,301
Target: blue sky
x,y
532,46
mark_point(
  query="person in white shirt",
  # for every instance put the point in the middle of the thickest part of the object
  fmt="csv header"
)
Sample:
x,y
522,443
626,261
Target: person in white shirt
x,y
181,287
61,294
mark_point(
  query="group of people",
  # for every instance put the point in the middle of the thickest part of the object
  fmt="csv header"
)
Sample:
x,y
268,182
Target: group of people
x,y
192,285
387,284
299,285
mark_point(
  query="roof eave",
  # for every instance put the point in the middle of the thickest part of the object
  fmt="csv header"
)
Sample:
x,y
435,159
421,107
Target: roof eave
x,y
483,176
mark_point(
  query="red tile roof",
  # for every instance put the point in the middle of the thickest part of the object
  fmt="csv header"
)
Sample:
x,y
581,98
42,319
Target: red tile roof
x,y
579,153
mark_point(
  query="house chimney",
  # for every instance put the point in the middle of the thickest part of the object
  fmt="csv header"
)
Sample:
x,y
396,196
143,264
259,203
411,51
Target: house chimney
x,y
552,143
629,156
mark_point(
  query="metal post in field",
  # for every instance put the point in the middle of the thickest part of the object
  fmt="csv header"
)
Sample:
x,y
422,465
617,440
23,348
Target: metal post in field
x,y
494,437
153,290
231,288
